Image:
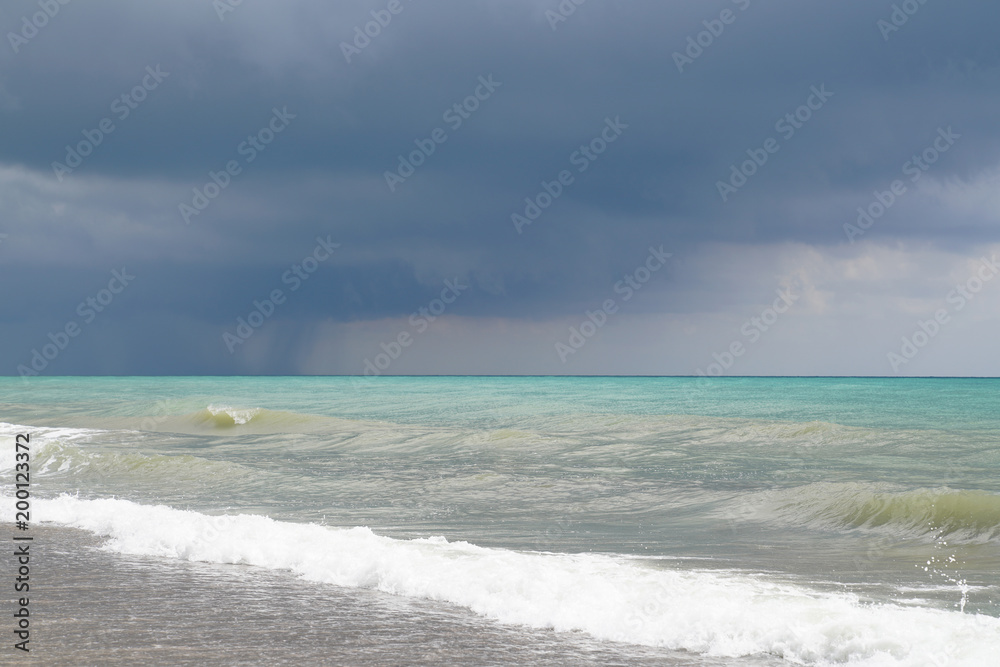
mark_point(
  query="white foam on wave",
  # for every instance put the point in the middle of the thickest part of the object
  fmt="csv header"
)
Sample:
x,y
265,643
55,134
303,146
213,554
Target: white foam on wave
x,y
40,438
240,416
613,598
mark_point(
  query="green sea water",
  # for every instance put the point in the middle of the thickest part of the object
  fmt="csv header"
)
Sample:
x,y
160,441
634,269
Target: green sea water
x,y
799,520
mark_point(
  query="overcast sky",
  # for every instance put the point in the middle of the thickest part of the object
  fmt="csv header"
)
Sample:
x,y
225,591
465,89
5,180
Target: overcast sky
x,y
176,162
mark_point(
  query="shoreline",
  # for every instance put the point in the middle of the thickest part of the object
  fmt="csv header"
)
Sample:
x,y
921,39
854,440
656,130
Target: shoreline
x,y
96,607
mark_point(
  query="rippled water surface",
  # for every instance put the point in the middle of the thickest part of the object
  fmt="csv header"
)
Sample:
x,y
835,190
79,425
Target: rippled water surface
x,y
732,521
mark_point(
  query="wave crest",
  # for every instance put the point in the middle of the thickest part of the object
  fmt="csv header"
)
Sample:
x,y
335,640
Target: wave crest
x,y
710,612
967,515
224,416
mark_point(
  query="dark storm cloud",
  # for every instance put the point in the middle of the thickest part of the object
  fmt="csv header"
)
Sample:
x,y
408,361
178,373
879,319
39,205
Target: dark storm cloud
x,y
324,174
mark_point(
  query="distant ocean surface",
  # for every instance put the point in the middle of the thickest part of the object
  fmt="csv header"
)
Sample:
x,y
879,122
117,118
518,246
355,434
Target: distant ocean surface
x,y
492,520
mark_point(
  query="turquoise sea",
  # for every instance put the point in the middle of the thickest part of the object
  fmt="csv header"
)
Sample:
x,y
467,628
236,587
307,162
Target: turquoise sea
x,y
490,520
